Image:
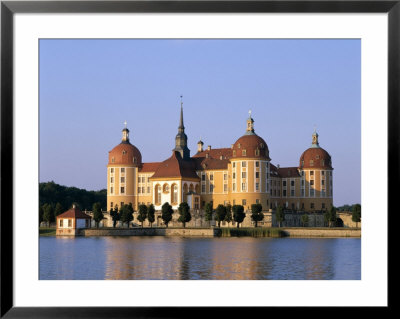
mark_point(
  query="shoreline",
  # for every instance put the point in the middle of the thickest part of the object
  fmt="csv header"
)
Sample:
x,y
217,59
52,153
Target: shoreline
x,y
274,232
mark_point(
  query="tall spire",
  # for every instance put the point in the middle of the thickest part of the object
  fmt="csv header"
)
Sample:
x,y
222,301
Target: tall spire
x,y
181,127
181,138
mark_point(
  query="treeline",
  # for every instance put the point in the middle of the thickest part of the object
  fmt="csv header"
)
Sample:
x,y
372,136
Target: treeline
x,y
51,193
346,208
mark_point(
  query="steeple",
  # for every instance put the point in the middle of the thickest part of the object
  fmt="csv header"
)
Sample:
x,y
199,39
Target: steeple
x,y
181,138
250,125
315,143
125,134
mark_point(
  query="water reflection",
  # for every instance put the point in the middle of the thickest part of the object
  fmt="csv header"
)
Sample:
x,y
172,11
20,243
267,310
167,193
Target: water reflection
x,y
199,258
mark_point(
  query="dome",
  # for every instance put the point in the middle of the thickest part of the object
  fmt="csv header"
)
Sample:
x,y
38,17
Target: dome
x,y
250,145
125,153
315,158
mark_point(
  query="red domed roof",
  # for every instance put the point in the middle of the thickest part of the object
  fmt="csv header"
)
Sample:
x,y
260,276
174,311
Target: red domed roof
x,y
125,153
315,157
250,145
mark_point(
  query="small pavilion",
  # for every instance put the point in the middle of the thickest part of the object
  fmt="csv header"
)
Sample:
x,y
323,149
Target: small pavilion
x,y
70,222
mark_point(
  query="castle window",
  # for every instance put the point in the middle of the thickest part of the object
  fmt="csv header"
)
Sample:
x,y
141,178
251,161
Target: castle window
x,y
225,187
317,157
243,186
292,192
69,222
211,177
123,170
243,202
158,195
302,163
61,223
203,188
134,160
148,189
111,204
257,152
211,188
143,190
225,176
312,192
234,154
122,190
311,173
112,170
111,190
323,205
234,164
234,187
257,201
323,173
239,145
139,190
302,173
311,162
123,179
243,174
284,193
257,175
234,175
203,177
166,188
123,152
175,194
243,164
257,186
323,182
302,182
322,162
312,205
312,182
284,183
112,180
257,164
244,153
292,183
112,160
302,192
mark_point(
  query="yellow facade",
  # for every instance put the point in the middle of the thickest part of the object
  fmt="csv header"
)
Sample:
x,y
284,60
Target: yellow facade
x,y
244,180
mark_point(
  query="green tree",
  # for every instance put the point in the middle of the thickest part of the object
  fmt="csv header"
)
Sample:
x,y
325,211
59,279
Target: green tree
x,y
326,218
304,219
280,215
127,214
220,214
256,213
115,215
97,213
142,213
228,217
166,213
332,216
48,214
208,208
356,214
184,213
58,210
238,214
150,214
40,214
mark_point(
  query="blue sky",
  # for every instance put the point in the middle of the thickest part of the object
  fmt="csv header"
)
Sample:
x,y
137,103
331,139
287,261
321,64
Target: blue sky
x,y
88,88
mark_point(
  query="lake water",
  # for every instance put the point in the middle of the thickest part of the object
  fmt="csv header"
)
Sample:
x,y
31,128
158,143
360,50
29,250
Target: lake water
x,y
199,258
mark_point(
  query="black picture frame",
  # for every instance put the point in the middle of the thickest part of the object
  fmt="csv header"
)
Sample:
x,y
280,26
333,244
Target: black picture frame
x,y
9,8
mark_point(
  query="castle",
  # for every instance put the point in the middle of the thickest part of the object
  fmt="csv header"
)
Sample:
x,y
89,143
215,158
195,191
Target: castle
x,y
238,175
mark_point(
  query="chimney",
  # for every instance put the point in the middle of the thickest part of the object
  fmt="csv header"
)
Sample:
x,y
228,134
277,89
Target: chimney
x,y
209,148
200,146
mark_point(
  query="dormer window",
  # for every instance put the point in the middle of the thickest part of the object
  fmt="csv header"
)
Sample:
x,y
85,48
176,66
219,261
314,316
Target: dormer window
x,y
239,145
244,152
134,160
112,160
123,152
311,162
234,153
257,152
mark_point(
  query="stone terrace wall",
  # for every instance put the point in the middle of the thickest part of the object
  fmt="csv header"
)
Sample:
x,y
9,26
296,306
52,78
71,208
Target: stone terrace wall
x,y
183,232
319,232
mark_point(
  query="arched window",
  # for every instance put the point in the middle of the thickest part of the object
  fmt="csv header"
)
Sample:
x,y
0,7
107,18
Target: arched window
x,y
166,188
175,194
158,194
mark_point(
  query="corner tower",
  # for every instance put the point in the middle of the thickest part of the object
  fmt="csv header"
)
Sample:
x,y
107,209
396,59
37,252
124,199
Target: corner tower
x,y
181,138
